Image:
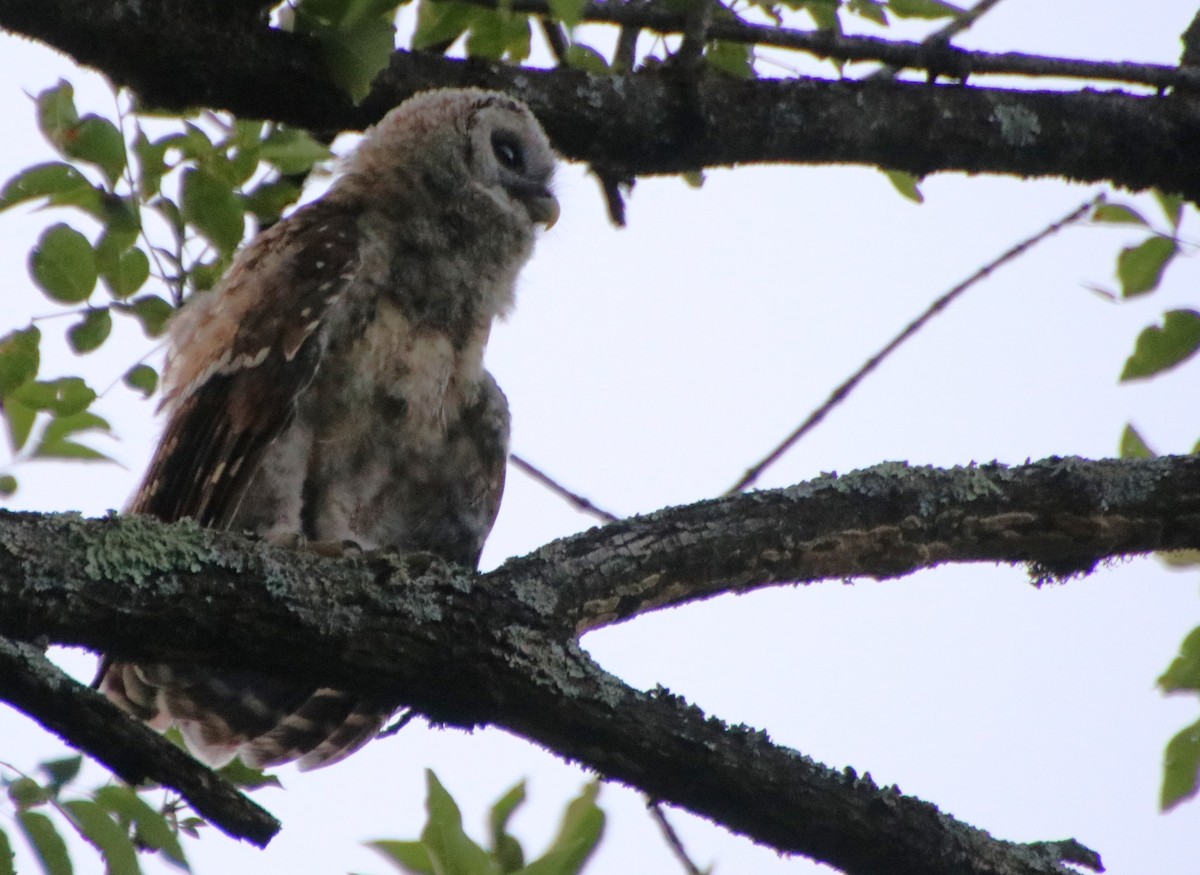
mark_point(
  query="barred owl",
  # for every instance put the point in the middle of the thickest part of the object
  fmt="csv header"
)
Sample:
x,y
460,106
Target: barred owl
x,y
332,387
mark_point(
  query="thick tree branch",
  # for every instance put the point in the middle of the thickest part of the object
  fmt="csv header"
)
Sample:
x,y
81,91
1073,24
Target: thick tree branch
x,y
144,590
1059,516
132,751
178,54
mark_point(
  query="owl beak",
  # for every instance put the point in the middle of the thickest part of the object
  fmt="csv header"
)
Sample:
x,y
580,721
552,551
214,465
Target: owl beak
x,y
543,208
541,205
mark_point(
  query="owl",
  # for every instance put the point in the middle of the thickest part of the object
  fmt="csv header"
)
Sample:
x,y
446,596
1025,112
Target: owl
x,y
332,388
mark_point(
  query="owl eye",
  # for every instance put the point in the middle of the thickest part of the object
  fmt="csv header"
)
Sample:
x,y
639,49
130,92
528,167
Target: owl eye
x,y
508,152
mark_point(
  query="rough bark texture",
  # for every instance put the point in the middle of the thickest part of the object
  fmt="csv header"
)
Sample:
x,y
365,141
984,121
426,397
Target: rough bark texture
x,y
138,589
177,54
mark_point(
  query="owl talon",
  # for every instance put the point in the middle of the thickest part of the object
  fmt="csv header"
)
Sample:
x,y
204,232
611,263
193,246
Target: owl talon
x,y
345,549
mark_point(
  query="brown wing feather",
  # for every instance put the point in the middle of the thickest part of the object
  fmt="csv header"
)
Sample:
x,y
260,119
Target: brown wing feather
x,y
240,363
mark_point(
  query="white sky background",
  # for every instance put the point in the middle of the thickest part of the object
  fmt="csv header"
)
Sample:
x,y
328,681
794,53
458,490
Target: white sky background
x,y
651,366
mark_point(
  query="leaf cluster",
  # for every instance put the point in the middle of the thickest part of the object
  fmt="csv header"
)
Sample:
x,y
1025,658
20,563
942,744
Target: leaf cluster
x,y
444,848
137,201
113,819
1140,269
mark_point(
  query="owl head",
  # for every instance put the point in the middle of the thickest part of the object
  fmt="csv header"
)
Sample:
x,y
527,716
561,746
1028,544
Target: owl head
x,y
450,143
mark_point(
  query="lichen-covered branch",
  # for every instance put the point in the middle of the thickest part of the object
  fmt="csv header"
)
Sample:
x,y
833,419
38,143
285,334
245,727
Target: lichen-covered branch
x,y
1057,516
500,648
133,752
178,54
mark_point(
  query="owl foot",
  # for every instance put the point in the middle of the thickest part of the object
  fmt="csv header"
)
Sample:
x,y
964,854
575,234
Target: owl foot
x,y
346,549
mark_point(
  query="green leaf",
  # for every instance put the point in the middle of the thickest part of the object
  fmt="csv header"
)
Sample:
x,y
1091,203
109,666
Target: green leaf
x,y
152,165
56,113
506,849
872,10
52,179
906,184
246,777
924,9
64,264
444,835
97,826
293,150
152,311
126,273
27,793
54,443
1172,207
65,396
356,47
1158,349
268,200
495,35
1184,671
19,418
694,178
152,828
8,486
586,58
6,852
578,835
1119,214
1132,445
47,844
440,23
141,378
1180,763
824,14
1140,268
91,332
736,59
97,141
61,771
569,12
204,275
19,358
411,857
210,205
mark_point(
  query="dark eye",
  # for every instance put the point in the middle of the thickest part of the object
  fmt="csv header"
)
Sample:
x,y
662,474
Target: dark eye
x,y
508,152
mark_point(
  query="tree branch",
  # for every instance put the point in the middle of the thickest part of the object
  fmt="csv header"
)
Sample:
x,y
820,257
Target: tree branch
x,y
177,54
132,751
143,590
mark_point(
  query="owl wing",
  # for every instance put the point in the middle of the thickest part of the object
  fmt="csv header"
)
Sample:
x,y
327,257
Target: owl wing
x,y
240,358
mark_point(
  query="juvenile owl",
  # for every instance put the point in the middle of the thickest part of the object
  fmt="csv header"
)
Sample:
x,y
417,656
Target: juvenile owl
x,y
332,387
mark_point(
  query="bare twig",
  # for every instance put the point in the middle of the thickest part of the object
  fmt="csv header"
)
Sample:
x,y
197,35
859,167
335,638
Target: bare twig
x,y
697,21
951,61
556,38
614,199
672,837
625,53
839,394
557,488
943,35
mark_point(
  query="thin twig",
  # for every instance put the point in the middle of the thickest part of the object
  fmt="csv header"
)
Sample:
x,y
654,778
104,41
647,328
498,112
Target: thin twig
x,y
554,486
672,837
839,394
942,35
556,38
625,54
695,34
951,61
